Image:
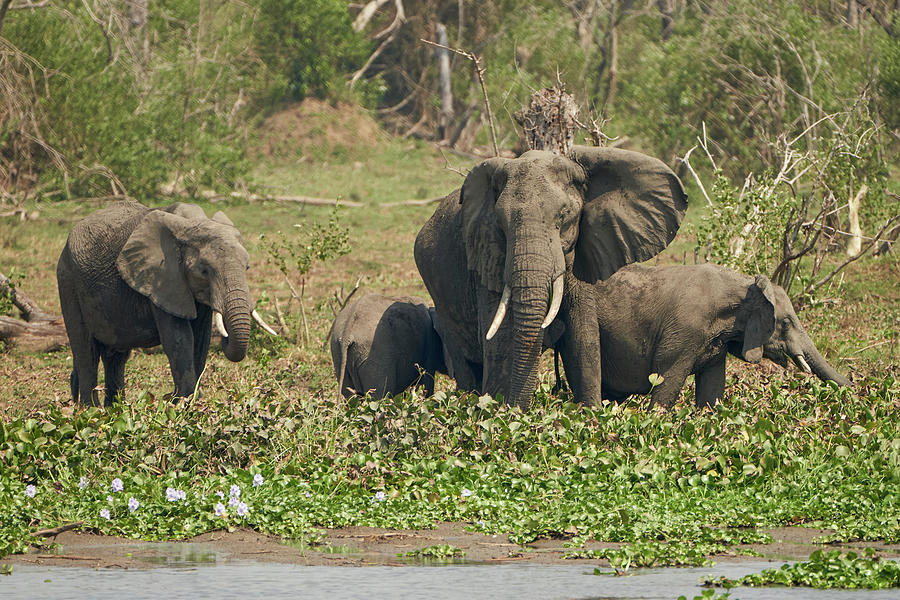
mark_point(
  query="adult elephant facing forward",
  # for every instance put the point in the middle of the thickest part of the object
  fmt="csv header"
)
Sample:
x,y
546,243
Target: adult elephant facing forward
x,y
530,236
134,277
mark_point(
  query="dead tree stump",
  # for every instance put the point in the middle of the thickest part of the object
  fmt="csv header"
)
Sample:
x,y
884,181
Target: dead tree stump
x,y
550,121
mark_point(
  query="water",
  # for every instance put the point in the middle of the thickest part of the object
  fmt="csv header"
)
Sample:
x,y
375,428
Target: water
x,y
200,574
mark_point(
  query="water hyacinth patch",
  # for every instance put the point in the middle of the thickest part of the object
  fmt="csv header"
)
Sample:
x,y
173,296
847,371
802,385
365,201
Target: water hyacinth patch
x,y
104,513
242,509
30,490
117,485
257,480
826,570
133,504
83,482
174,495
616,472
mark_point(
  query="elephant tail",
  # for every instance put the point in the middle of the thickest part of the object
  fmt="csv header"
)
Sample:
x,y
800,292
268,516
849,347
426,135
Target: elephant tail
x,y
343,368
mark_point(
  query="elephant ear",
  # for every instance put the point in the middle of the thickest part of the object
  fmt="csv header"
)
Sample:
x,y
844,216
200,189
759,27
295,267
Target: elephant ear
x,y
220,217
150,262
633,207
757,316
484,239
186,210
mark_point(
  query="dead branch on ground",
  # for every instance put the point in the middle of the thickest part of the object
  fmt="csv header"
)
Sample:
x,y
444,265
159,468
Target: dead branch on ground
x,y
37,330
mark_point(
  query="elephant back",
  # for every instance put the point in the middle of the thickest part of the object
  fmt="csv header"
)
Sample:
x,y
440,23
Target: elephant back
x,y
95,241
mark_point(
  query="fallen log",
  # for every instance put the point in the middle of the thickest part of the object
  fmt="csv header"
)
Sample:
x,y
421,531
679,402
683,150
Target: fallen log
x,y
37,330
40,336
214,196
31,312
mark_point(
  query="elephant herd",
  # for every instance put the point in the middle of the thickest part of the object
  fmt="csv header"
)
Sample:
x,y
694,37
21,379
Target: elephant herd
x,y
529,254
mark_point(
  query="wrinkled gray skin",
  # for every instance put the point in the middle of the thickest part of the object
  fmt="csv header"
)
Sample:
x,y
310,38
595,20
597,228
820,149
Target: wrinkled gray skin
x,y
682,320
522,224
132,277
382,346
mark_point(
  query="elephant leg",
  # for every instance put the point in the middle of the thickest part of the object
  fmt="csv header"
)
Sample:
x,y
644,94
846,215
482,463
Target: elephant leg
x,y
466,373
373,379
579,345
710,384
667,392
177,338
202,327
114,371
85,354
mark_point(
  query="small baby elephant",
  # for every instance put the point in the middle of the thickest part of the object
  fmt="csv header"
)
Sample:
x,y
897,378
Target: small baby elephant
x,y
683,320
384,345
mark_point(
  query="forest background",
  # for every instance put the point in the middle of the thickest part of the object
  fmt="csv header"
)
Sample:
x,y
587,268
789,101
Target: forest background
x,y
113,97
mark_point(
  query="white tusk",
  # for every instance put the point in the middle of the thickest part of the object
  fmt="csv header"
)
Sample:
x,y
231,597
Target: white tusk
x,y
218,324
803,363
500,314
263,324
555,301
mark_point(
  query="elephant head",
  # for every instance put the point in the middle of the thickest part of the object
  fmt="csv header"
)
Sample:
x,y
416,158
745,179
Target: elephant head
x,y
535,226
772,329
177,257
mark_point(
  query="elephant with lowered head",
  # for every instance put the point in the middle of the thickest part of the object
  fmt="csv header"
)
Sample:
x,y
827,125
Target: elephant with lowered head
x,y
382,346
530,236
682,320
131,277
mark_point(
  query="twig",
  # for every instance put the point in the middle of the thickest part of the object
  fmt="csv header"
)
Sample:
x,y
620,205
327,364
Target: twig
x,y
870,346
687,162
447,164
280,317
302,308
424,202
814,286
54,531
479,72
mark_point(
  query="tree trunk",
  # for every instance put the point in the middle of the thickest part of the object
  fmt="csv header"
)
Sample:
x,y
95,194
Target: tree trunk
x,y
666,11
612,57
443,56
852,14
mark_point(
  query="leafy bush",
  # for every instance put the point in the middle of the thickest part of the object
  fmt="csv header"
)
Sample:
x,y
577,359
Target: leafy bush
x,y
785,221
118,117
309,45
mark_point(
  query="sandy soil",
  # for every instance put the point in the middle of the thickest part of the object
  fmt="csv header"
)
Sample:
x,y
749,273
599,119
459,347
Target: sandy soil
x,y
357,546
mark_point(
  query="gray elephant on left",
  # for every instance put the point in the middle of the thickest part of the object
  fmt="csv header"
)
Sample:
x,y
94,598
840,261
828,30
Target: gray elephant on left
x,y
135,277
382,346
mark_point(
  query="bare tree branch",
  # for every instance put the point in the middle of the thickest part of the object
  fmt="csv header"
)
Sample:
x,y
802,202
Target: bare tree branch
x,y
479,73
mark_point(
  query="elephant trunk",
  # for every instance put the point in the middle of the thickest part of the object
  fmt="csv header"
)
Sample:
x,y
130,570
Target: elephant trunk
x,y
820,367
236,314
531,272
